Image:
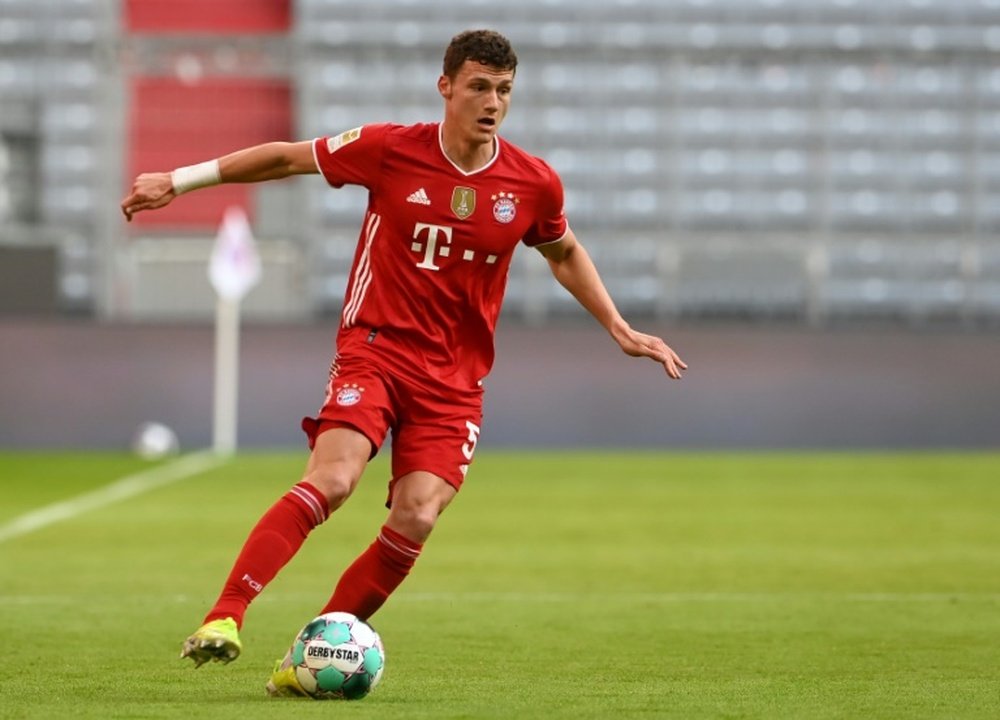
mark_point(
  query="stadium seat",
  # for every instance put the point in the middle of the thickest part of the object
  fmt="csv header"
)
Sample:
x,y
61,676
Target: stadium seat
x,y
64,121
893,299
937,169
987,129
849,11
987,217
730,277
19,31
856,124
18,77
862,167
69,162
788,209
987,170
987,261
935,86
866,209
882,257
935,128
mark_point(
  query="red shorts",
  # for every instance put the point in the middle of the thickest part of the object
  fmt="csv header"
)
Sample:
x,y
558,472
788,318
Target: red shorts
x,y
434,427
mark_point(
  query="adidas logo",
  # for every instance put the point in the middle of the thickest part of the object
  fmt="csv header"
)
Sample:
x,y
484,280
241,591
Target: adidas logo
x,y
419,197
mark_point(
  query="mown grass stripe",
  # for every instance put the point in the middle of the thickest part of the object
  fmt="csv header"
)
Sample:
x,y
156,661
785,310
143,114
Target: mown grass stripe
x,y
121,489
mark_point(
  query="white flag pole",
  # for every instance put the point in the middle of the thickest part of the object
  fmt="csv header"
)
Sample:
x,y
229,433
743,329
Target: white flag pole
x,y
233,270
227,370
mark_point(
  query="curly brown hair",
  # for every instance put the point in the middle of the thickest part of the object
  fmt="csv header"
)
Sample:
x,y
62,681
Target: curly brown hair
x,y
486,47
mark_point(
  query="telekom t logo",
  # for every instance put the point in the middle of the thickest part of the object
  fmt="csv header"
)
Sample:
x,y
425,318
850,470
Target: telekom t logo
x,y
434,233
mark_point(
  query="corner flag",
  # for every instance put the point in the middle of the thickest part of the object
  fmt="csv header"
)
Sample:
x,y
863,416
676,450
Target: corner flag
x,y
235,265
233,270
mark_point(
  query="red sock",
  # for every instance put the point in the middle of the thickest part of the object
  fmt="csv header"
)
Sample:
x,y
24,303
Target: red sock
x,y
275,539
379,570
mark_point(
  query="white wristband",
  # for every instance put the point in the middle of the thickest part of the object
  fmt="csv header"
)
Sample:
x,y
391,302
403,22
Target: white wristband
x,y
192,177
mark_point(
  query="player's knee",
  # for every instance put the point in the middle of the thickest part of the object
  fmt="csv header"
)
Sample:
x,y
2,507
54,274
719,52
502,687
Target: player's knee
x,y
335,482
415,519
418,499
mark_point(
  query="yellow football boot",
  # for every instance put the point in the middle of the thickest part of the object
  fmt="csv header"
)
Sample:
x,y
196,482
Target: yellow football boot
x,y
283,682
218,640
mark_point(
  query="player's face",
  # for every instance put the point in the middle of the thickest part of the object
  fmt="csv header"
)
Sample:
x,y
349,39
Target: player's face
x,y
477,99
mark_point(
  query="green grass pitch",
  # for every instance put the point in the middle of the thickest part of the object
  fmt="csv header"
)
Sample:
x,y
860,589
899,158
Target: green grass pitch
x,y
558,585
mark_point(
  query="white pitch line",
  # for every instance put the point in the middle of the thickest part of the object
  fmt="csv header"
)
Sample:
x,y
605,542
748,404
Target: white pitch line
x,y
571,598
700,597
126,487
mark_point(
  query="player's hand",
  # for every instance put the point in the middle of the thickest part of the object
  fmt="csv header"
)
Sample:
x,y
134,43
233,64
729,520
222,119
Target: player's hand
x,y
639,344
149,191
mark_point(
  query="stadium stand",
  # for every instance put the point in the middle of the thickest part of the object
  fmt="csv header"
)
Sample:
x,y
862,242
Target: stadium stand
x,y
814,159
50,105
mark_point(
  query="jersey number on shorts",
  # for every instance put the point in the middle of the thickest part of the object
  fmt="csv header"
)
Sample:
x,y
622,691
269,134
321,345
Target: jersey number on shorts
x,y
470,447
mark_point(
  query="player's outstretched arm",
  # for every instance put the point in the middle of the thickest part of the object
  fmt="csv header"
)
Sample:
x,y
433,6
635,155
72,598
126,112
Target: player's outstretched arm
x,y
271,161
575,271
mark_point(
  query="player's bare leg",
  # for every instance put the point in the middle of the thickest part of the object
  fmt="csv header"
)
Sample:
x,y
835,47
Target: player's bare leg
x,y
337,461
418,499
334,468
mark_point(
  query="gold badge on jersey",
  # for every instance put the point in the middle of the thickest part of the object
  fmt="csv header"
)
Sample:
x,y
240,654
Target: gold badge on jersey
x,y
463,202
335,143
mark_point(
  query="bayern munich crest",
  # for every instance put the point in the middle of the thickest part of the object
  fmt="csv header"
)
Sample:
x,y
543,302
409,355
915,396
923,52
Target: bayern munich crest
x,y
349,395
504,207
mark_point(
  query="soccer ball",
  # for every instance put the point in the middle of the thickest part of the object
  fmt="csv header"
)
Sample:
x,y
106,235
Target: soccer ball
x,y
153,441
338,656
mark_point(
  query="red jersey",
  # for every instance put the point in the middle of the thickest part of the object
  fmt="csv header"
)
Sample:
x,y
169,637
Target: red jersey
x,y
435,248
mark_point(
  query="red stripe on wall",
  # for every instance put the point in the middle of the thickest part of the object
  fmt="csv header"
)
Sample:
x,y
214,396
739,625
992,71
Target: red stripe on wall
x,y
216,16
173,124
